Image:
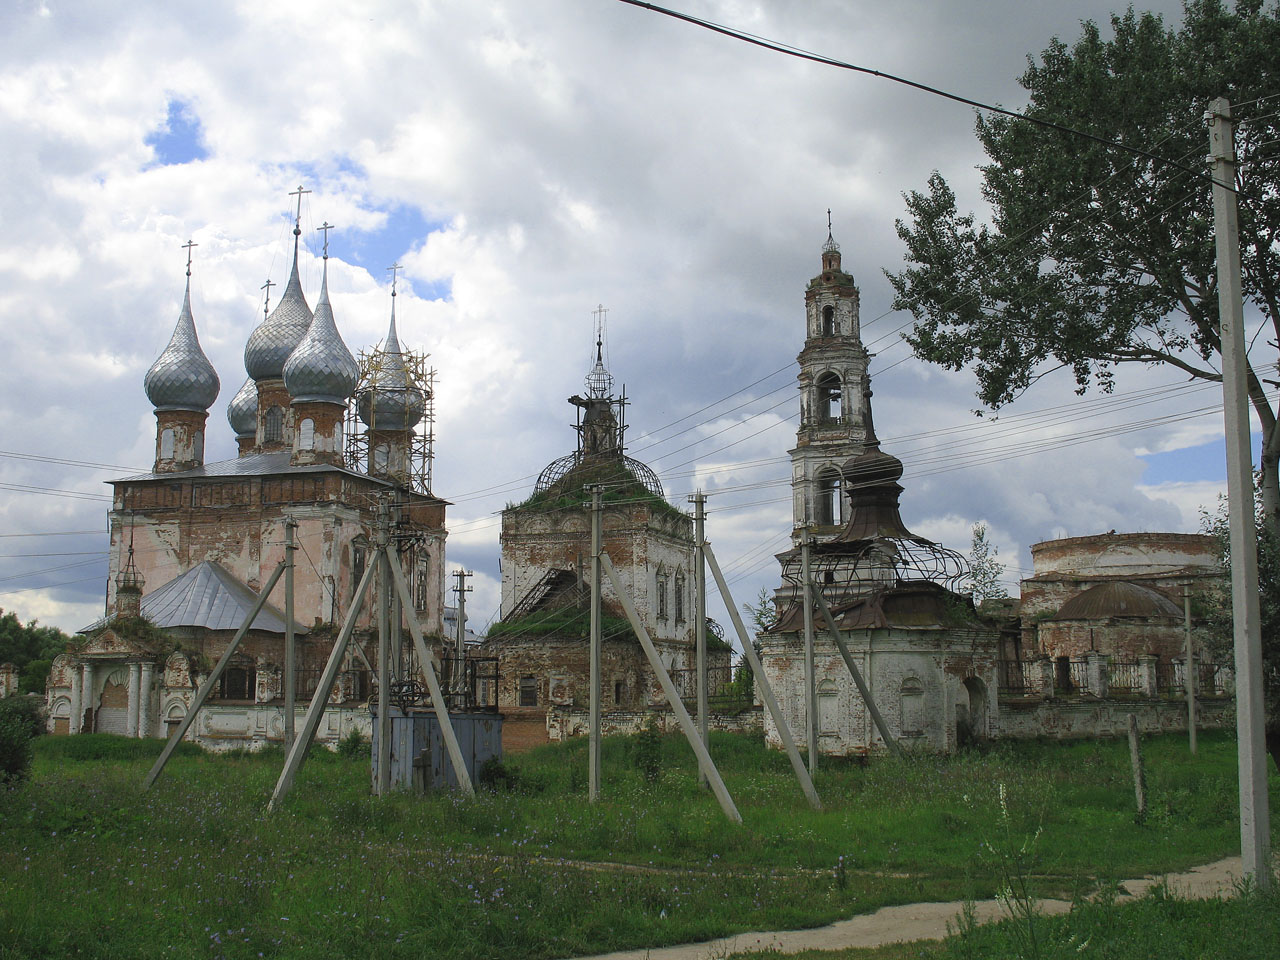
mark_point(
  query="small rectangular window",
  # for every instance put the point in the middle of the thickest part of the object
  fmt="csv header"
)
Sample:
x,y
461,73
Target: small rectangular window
x,y
528,692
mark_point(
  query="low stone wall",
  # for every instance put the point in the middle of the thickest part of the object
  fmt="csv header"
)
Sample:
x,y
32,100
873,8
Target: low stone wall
x,y
566,722
223,727
1062,719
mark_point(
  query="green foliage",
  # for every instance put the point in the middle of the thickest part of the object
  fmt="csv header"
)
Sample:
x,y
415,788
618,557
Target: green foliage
x,y
619,483
985,570
27,710
1095,256
1215,606
646,752
21,643
108,748
497,775
34,676
354,746
569,622
15,748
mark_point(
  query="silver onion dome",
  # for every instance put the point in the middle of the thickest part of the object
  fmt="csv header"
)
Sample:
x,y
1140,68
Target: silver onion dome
x,y
242,411
182,378
321,368
391,401
278,336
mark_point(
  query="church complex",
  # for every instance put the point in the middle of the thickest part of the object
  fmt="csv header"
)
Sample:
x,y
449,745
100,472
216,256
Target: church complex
x,y
329,441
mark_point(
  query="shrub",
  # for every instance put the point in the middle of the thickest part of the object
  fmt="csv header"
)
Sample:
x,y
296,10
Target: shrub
x,y
354,746
647,751
15,748
26,710
498,776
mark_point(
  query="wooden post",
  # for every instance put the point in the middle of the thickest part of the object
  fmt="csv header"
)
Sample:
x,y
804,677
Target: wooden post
x,y
1190,675
766,691
705,762
320,698
593,744
382,783
290,641
202,694
810,668
1139,775
700,613
878,720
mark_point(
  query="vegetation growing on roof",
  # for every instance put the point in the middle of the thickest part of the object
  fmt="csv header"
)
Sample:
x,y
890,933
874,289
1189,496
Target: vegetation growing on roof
x,y
569,622
621,486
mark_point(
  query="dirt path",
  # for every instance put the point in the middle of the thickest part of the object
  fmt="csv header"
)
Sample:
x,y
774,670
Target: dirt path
x,y
920,921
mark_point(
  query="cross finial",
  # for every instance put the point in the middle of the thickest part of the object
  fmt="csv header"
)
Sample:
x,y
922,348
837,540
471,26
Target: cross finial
x,y
326,227
393,269
187,247
828,223
297,220
266,300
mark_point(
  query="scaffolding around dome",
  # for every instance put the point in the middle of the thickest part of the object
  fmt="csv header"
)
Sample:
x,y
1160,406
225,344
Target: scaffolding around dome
x,y
389,371
849,570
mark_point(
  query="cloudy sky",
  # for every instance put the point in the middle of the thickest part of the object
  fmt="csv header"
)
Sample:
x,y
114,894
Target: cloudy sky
x,y
526,160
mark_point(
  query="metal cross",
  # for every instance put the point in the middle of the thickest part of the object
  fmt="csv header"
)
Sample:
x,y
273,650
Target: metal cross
x,y
298,193
187,247
828,222
326,227
601,312
394,268
267,299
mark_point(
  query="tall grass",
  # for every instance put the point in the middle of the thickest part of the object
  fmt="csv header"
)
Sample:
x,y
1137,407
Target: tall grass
x,y
92,866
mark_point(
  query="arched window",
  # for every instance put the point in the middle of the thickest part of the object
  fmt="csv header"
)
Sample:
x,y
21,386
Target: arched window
x,y
273,425
828,321
829,397
679,596
827,506
911,708
662,582
166,444
307,434
359,552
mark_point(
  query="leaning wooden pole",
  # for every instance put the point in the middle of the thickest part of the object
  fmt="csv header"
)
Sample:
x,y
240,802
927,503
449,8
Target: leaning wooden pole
x,y
428,672
211,680
319,699
883,727
766,691
705,762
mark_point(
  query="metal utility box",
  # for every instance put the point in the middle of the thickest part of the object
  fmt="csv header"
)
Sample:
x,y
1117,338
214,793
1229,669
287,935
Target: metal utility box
x,y
419,759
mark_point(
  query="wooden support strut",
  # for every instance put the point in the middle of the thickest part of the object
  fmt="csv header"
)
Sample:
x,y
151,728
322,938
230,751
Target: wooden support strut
x,y
766,692
705,763
315,710
429,673
816,594
206,688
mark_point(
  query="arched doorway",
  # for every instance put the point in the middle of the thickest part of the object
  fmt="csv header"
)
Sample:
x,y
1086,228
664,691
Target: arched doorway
x,y
971,713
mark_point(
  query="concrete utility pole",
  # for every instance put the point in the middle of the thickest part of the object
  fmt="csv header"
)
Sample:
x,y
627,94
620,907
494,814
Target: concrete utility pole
x,y
290,642
1189,683
593,745
383,783
699,502
458,667
810,673
1255,817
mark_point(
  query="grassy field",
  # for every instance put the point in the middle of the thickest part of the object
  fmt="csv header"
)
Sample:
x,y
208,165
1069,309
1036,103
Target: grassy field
x,y
91,866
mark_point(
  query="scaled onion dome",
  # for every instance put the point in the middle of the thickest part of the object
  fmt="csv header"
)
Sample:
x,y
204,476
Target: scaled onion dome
x,y
182,378
391,402
242,411
278,336
321,368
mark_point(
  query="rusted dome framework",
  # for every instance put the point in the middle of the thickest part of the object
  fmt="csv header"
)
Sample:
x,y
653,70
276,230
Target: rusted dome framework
x,y
560,474
875,551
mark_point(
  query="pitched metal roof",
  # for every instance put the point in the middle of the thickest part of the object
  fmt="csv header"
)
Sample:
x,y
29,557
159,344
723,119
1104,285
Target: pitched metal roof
x,y
206,596
252,465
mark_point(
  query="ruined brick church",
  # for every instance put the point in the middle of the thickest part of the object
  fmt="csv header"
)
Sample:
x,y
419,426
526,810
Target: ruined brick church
x,y
322,440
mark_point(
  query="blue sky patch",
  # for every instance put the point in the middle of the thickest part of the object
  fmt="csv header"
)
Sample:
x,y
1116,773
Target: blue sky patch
x,y
405,228
181,139
1208,461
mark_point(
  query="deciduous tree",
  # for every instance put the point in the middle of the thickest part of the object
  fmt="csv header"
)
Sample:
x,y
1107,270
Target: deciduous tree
x,y
1092,256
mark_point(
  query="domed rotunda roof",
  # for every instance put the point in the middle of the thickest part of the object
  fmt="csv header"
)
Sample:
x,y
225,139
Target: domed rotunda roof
x,y
242,411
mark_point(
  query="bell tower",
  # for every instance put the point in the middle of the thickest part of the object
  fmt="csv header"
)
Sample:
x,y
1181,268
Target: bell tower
x,y
833,379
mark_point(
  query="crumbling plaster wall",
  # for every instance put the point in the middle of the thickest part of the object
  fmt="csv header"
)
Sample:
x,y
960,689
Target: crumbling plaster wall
x,y
938,661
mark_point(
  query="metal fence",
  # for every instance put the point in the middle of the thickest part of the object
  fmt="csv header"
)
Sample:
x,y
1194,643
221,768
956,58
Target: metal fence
x,y
1124,678
1017,678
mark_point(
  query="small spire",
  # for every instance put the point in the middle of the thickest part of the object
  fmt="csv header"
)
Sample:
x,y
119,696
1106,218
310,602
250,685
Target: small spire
x,y
830,246
266,300
599,381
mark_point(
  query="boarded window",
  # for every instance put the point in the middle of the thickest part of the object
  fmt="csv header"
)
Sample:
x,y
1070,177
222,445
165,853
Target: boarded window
x,y
197,445
166,444
528,691
912,707
828,720
307,434
273,425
